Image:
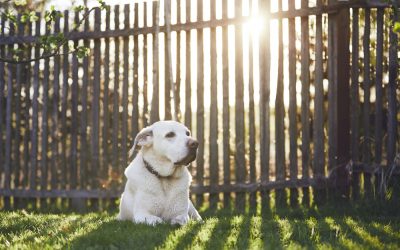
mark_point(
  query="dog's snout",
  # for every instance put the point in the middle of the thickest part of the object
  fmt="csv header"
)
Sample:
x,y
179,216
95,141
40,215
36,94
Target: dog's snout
x,y
192,144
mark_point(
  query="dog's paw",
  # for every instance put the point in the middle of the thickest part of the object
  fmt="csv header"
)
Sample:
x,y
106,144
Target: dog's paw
x,y
180,219
148,219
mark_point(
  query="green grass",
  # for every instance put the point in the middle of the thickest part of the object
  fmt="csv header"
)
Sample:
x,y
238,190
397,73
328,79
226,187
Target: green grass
x,y
330,227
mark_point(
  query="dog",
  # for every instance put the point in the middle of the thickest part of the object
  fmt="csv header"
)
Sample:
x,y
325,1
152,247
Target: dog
x,y
157,187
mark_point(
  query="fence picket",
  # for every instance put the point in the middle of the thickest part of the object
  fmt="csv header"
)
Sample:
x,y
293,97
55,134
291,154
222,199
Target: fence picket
x,y
293,131
200,103
319,155
213,136
355,106
366,105
279,118
2,106
135,99
225,104
125,87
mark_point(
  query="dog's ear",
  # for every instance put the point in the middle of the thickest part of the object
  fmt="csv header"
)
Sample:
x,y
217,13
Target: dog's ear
x,y
144,138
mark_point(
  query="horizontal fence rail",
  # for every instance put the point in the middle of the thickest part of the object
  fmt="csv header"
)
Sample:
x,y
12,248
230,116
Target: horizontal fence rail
x,y
290,100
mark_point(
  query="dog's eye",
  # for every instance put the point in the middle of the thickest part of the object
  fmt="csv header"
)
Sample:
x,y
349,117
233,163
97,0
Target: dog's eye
x,y
187,133
170,135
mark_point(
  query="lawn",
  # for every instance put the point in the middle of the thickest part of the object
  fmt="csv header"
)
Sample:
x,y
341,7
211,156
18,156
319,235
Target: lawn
x,y
366,226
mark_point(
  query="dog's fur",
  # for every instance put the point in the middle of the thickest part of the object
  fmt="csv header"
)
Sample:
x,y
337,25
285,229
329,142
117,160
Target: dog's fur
x,y
161,193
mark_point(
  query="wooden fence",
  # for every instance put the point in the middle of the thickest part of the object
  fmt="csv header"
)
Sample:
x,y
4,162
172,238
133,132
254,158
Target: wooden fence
x,y
281,95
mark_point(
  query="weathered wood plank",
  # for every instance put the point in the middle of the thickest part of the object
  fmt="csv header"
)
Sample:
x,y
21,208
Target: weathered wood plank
x,y
2,88
240,162
168,62
106,135
252,122
319,135
155,107
293,131
20,72
35,111
84,153
391,94
145,117
135,99
379,93
74,117
355,105
279,118
213,136
115,123
64,106
200,104
9,106
264,68
225,104
44,171
188,82
55,129
177,90
366,105
125,87
305,100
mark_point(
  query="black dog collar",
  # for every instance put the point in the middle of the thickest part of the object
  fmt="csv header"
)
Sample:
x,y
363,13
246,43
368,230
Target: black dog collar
x,y
152,170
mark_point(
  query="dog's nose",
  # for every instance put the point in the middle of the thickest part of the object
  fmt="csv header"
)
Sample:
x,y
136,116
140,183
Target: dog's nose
x,y
192,143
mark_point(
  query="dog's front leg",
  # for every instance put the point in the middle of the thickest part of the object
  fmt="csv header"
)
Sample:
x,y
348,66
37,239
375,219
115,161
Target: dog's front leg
x,y
182,219
193,214
146,218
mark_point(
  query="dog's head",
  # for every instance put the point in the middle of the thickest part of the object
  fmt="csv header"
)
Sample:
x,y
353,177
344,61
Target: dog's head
x,y
168,139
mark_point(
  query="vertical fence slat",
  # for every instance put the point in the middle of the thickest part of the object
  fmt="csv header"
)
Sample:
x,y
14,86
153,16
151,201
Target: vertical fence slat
x,y
125,87
225,103
366,105
305,101
54,118
319,157
145,69
252,123
293,132
35,111
9,102
2,87
64,106
155,109
168,62
391,94
379,92
106,102
355,101
74,116
17,137
188,82
177,90
95,159
45,126
332,97
264,69
240,162
115,125
200,103
135,109
84,156
279,118
213,111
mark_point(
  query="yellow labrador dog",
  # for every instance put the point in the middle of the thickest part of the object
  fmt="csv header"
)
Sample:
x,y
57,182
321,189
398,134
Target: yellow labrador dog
x,y
157,187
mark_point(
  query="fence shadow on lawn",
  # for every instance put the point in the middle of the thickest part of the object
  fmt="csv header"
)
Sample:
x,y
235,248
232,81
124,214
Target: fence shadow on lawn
x,y
346,225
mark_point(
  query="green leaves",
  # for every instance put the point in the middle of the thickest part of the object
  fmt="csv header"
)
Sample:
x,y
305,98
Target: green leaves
x,y
396,27
52,15
29,17
20,2
82,51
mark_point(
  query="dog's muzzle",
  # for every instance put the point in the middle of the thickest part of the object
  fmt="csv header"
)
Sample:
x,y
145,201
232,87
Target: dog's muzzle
x,y
192,153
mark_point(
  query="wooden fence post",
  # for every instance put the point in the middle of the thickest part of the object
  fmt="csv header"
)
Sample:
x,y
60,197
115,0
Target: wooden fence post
x,y
339,94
